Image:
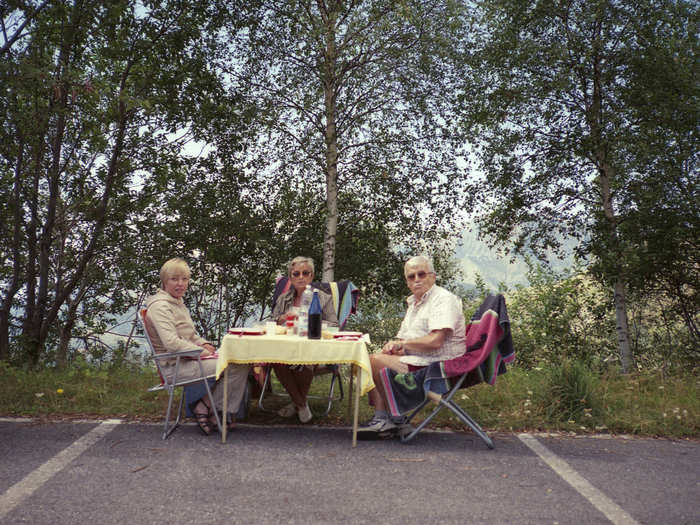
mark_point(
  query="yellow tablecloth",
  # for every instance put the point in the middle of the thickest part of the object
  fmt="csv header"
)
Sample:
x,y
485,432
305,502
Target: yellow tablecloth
x,y
294,350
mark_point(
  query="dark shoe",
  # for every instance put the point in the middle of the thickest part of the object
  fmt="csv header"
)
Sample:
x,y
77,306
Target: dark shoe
x,y
230,423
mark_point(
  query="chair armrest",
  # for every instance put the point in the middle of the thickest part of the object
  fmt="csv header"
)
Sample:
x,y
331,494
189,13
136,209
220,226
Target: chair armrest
x,y
186,353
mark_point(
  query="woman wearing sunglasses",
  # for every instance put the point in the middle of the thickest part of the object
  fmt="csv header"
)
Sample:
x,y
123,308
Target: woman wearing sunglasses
x,y
297,379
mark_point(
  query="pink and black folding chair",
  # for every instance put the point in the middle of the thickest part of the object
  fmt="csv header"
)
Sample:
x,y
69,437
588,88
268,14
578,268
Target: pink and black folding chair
x,y
488,348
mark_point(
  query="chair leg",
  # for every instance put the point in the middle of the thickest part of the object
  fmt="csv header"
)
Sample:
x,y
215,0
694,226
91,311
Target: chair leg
x,y
180,407
331,390
212,405
266,384
461,414
414,432
466,419
167,431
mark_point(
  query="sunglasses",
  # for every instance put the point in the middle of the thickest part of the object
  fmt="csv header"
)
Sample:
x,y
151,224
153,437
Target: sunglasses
x,y
297,273
419,275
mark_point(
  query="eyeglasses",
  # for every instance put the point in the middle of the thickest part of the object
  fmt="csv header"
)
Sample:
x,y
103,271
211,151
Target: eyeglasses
x,y
419,275
297,273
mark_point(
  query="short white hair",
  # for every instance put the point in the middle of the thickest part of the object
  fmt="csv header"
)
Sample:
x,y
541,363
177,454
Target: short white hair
x,y
300,260
420,260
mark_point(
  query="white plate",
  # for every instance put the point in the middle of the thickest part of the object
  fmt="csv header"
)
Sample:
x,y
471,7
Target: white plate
x,y
246,331
338,335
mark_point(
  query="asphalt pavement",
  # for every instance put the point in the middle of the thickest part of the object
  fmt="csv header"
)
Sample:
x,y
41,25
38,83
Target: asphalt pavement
x,y
107,472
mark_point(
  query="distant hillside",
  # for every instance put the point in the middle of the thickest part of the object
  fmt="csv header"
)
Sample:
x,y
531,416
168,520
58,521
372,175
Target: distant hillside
x,y
476,257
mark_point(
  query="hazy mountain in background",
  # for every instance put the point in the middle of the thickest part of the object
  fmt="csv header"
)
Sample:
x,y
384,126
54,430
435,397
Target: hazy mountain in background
x,y
475,257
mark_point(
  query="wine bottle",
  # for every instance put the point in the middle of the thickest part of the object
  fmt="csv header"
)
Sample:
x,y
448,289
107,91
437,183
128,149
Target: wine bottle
x,y
315,317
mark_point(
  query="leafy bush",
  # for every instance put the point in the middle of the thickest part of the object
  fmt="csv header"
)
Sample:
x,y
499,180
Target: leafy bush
x,y
379,317
560,316
571,392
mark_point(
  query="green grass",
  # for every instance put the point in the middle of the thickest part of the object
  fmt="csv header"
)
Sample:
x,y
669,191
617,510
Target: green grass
x,y
565,398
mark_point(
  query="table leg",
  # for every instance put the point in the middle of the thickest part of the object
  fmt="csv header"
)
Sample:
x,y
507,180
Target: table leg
x,y
223,416
357,406
353,369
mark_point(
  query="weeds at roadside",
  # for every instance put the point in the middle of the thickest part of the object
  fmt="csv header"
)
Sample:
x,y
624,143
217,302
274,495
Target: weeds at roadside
x,y
567,398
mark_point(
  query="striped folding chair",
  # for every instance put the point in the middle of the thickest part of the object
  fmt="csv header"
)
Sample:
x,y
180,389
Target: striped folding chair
x,y
345,296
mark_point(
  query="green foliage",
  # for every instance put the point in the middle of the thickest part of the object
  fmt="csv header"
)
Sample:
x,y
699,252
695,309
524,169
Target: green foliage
x,y
380,317
587,117
355,101
131,133
649,404
92,98
559,317
571,392
563,317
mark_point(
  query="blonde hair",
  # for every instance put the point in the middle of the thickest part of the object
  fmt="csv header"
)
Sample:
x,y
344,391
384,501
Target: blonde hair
x,y
300,260
174,266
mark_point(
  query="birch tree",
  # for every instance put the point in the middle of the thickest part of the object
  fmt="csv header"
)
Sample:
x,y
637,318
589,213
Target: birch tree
x,y
562,128
356,98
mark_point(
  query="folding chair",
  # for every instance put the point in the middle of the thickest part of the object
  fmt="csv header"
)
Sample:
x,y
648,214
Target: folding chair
x,y
489,347
345,296
170,384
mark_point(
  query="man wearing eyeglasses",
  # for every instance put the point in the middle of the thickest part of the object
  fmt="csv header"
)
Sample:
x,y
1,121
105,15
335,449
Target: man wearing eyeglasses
x,y
432,330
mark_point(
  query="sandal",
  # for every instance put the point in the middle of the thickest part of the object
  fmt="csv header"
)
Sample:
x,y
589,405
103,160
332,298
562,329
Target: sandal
x,y
203,422
230,421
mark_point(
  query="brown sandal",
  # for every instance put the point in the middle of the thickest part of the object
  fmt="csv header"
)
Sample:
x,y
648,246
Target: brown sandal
x,y
203,423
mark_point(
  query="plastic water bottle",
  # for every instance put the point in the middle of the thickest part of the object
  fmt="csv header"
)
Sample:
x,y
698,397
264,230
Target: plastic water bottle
x,y
315,317
306,298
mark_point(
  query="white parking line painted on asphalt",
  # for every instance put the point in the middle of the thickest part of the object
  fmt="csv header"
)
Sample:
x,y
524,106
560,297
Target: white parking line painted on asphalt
x,y
35,479
600,501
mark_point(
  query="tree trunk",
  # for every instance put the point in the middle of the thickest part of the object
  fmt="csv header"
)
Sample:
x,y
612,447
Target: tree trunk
x,y
64,342
58,106
622,327
331,139
606,176
15,281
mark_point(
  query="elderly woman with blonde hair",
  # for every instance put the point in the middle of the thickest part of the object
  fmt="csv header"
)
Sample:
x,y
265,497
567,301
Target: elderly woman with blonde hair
x,y
171,329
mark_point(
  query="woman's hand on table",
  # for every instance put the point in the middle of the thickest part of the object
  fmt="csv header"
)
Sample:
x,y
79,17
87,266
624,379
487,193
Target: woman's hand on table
x,y
207,349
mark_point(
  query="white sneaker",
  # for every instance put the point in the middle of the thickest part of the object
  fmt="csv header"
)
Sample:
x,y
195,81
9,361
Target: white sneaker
x,y
287,410
304,413
377,426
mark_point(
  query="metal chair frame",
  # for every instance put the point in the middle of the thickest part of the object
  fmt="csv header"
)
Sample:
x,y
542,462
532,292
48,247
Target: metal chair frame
x,y
326,369
447,402
169,385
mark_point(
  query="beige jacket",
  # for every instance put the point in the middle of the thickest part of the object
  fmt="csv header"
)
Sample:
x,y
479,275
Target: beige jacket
x,y
172,327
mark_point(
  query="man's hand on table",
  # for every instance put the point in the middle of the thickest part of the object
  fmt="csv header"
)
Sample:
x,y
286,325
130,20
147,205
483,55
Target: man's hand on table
x,y
393,348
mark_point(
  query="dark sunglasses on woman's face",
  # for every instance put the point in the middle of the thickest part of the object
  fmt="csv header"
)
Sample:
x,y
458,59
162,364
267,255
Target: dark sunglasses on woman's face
x,y
297,273
420,275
